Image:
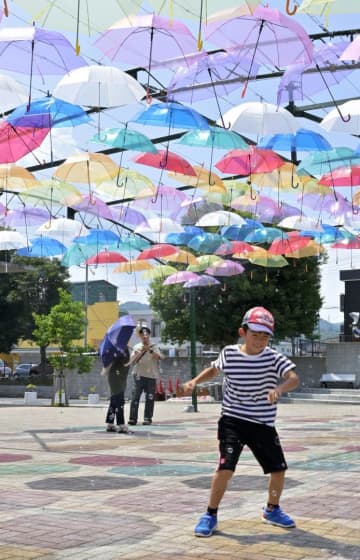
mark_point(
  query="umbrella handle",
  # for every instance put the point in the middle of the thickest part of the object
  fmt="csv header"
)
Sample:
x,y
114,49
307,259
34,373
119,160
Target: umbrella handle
x,y
288,10
6,9
343,118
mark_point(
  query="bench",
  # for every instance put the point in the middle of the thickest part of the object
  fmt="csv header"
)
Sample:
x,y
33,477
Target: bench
x,y
336,379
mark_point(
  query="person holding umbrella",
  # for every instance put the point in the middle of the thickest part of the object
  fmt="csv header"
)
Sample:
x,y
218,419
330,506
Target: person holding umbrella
x,y
117,373
145,360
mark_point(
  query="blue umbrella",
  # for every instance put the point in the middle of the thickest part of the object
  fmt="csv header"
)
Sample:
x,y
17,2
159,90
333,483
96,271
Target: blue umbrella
x,y
48,112
302,141
98,237
116,339
171,115
205,242
319,163
42,247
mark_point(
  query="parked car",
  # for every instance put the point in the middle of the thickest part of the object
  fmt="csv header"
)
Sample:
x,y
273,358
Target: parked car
x,y
5,370
23,370
37,370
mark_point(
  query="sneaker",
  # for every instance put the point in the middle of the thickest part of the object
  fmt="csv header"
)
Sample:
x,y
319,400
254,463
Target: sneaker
x,y
123,429
111,428
278,517
206,525
132,422
147,422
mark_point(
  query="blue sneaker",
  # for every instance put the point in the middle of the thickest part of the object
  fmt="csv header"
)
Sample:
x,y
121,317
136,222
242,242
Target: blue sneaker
x,y
278,517
206,525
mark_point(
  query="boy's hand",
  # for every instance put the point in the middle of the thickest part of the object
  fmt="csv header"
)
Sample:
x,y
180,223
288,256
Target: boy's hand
x,y
188,387
274,395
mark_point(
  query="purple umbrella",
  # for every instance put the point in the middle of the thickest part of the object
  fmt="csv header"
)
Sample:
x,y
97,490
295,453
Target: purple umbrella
x,y
93,205
166,200
267,37
126,215
352,51
306,78
180,277
116,339
225,268
31,50
202,281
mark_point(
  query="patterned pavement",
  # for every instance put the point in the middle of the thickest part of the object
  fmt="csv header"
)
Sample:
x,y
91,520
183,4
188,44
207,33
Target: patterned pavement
x,y
69,490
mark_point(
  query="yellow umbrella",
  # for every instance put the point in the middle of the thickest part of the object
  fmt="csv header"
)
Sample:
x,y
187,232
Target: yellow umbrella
x,y
133,266
203,262
87,168
159,271
233,190
283,178
16,178
128,184
312,249
181,257
203,179
262,257
53,192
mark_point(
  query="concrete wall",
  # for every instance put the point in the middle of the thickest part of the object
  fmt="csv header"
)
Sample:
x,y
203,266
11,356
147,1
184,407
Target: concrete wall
x,y
309,370
344,358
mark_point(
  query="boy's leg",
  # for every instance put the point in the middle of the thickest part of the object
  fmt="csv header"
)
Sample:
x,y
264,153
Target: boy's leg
x,y
218,487
149,400
135,399
276,485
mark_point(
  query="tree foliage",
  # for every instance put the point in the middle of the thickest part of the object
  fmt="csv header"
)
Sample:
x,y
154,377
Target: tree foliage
x,y
292,293
23,293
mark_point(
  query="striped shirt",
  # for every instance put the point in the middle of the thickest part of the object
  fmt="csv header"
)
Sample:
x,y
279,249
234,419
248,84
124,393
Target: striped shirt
x,y
248,380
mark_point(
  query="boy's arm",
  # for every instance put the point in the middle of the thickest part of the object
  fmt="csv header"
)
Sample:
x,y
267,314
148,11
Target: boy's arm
x,y
290,383
205,375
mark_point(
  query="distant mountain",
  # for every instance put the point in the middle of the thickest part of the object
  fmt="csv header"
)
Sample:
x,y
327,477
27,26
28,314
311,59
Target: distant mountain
x,y
328,330
134,306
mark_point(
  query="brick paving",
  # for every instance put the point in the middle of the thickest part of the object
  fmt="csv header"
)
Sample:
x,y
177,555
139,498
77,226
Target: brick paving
x,y
69,490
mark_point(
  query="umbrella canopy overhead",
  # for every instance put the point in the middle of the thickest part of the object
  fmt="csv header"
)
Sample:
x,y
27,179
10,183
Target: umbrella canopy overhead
x,y
260,119
48,112
16,142
12,93
202,282
302,141
106,257
171,115
247,162
124,138
348,120
164,159
16,178
42,247
87,168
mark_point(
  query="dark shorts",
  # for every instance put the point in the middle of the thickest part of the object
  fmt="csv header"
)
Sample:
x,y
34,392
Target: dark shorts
x,y
263,441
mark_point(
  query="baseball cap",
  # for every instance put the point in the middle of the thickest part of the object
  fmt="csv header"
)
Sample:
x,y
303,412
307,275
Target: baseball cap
x,y
259,319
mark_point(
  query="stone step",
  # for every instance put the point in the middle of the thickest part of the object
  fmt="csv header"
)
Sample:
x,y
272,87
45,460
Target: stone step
x,y
351,397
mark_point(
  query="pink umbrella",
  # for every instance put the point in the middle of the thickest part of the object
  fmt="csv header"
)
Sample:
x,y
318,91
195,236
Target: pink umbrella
x,y
293,242
180,277
352,51
246,162
234,247
16,142
165,159
157,251
106,257
225,268
347,176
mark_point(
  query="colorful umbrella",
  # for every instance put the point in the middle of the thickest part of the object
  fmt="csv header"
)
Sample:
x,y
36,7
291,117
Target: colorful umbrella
x,y
293,242
16,178
48,112
220,218
90,204
116,339
171,115
346,176
106,257
312,249
231,247
99,237
129,184
76,254
205,242
261,257
42,247
41,51
133,266
165,159
87,168
181,256
203,262
167,201
203,281
214,137
126,215
203,179
180,277
352,51
159,271
52,192
319,163
267,37
25,217
302,141
345,118
63,229
124,138
158,251
247,162
16,142
225,268
327,7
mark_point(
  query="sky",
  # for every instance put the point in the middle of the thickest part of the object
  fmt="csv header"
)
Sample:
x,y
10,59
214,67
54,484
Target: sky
x,y
65,142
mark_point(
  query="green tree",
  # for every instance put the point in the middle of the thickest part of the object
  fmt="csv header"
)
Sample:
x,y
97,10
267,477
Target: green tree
x,y
62,327
292,293
23,293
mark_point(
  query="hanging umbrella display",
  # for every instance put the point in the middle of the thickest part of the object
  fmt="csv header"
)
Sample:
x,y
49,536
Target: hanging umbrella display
x,y
181,256
10,240
259,119
301,223
25,217
247,162
158,251
92,205
352,51
220,218
171,115
225,268
203,281
87,168
130,216
264,234
83,18
16,178
166,201
99,237
76,254
203,262
267,37
165,159
146,41
41,51
106,257
312,249
304,79
12,93
129,184
16,142
124,138
99,86
347,176
52,192
262,257
133,266
203,179
302,141
292,242
159,271
180,277
327,7
205,242
62,229
214,138
42,247
48,112
345,118
158,228
319,163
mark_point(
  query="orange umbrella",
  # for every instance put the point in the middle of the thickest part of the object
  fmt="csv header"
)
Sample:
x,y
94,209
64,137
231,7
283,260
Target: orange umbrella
x,y
133,266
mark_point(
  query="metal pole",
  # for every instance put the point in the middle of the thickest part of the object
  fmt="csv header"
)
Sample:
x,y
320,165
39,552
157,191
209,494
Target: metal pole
x,y
193,344
86,300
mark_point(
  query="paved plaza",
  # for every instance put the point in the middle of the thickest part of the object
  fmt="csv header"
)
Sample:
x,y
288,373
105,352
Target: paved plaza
x,y
69,490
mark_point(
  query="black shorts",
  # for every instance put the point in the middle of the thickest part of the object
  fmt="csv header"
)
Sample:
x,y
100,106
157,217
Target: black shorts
x,y
263,441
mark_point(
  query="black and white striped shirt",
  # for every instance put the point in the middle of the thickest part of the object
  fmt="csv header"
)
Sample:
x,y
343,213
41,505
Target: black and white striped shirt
x,y
248,380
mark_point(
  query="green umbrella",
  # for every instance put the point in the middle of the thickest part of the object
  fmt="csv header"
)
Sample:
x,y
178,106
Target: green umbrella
x,y
124,138
214,137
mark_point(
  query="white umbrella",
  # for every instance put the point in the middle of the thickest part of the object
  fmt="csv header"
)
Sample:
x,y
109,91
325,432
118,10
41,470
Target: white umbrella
x,y
336,122
220,218
12,240
99,86
259,118
158,228
62,229
300,223
12,93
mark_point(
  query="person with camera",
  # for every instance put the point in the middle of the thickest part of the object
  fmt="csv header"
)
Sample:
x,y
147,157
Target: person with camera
x,y
145,361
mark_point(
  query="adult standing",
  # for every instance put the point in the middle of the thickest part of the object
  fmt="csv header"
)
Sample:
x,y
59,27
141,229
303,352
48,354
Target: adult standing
x,y
117,374
145,361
